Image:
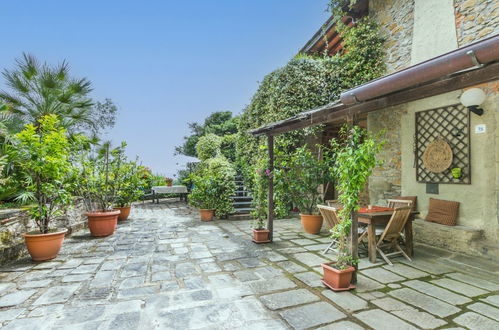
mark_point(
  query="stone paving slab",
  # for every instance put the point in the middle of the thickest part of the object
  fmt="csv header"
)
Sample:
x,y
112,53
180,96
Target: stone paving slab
x,y
288,298
311,315
164,268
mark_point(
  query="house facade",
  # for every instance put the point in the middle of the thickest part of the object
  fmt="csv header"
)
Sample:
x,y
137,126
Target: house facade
x,y
417,31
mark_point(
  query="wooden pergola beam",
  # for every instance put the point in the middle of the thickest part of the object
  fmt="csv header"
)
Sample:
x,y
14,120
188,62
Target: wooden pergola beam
x,y
340,111
270,218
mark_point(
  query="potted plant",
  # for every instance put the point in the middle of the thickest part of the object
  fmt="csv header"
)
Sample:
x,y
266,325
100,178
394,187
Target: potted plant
x,y
169,182
260,232
96,184
42,153
300,173
213,182
354,160
129,182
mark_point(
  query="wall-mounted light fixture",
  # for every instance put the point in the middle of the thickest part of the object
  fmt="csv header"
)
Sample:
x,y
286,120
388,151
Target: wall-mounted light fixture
x,y
472,99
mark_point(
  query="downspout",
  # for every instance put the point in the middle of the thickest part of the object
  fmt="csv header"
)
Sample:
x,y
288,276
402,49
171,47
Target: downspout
x,y
471,56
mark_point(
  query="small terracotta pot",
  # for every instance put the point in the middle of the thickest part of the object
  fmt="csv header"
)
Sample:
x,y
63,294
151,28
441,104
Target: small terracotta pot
x,y
206,214
44,246
102,223
169,184
124,212
311,223
337,279
260,235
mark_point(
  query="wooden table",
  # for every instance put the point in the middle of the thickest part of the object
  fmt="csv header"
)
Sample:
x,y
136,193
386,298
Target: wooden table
x,y
378,218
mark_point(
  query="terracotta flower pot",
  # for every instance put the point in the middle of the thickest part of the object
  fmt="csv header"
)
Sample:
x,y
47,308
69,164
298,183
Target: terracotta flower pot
x,y
336,279
311,223
102,223
260,236
44,246
124,212
206,214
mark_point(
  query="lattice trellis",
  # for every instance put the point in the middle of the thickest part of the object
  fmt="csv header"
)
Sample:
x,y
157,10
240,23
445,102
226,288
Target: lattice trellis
x,y
451,124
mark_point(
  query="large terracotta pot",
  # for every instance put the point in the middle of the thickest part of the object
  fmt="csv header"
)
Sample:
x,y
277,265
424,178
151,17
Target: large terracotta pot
x,y
260,236
311,223
102,223
44,246
206,214
124,212
338,280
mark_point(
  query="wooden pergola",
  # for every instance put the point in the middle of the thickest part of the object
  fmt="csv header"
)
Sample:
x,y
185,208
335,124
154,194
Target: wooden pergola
x,y
337,112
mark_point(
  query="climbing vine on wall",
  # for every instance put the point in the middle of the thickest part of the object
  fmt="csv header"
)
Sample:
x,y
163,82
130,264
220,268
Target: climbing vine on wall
x,y
305,83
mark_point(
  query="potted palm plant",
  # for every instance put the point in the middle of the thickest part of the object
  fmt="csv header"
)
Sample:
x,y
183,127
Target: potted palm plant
x,y
354,160
300,173
42,153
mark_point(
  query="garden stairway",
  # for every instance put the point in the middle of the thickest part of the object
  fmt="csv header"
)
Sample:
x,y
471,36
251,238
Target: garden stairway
x,y
241,200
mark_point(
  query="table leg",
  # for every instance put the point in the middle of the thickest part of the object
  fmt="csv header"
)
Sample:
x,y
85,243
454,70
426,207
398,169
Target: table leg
x,y
408,238
371,242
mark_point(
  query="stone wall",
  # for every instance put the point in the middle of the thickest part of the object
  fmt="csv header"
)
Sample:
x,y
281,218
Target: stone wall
x,y
15,222
475,20
384,183
396,19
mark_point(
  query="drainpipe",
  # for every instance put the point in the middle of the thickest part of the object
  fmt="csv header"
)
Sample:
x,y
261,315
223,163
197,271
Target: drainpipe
x,y
469,57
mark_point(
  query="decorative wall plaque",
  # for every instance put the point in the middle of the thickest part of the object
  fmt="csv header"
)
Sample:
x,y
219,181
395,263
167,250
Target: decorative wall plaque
x,y
437,156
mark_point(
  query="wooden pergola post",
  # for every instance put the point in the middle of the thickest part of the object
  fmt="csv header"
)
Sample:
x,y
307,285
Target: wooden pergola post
x,y
270,219
354,243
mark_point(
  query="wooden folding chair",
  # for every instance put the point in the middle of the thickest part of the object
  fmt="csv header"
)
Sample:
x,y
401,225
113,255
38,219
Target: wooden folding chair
x,y
331,219
334,203
394,203
391,234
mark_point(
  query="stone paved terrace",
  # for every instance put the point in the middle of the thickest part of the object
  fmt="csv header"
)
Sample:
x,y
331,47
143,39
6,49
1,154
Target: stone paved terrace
x,y
166,269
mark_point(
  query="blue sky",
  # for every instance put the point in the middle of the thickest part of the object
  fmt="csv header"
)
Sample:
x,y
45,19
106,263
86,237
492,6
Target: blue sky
x,y
164,63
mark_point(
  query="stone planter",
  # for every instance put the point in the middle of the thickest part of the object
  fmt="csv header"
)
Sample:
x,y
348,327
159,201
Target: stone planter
x,y
102,223
335,279
312,224
44,246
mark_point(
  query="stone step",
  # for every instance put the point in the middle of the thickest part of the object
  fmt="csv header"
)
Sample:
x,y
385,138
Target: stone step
x,y
243,210
242,204
242,198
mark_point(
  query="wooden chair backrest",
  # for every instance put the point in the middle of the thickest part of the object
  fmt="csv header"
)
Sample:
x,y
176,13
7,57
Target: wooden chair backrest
x,y
394,203
333,203
396,224
329,215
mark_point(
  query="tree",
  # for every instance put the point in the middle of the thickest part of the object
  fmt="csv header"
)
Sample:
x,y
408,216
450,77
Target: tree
x,y
102,117
37,90
219,123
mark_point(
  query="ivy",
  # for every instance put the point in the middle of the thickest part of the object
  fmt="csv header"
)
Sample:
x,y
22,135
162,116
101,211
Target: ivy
x,y
305,83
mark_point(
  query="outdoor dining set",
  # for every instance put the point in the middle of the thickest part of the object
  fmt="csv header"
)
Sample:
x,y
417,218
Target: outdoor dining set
x,y
384,228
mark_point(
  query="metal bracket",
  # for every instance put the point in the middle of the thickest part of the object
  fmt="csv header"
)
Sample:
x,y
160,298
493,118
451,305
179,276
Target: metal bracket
x,y
475,61
355,97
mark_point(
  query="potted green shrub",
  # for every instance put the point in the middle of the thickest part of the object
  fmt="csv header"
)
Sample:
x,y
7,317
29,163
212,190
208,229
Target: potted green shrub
x,y
128,180
42,152
354,160
95,183
260,232
213,188
300,173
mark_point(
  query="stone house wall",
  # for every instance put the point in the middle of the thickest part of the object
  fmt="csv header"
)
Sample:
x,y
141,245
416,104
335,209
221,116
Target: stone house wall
x,y
15,222
460,22
475,20
396,20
